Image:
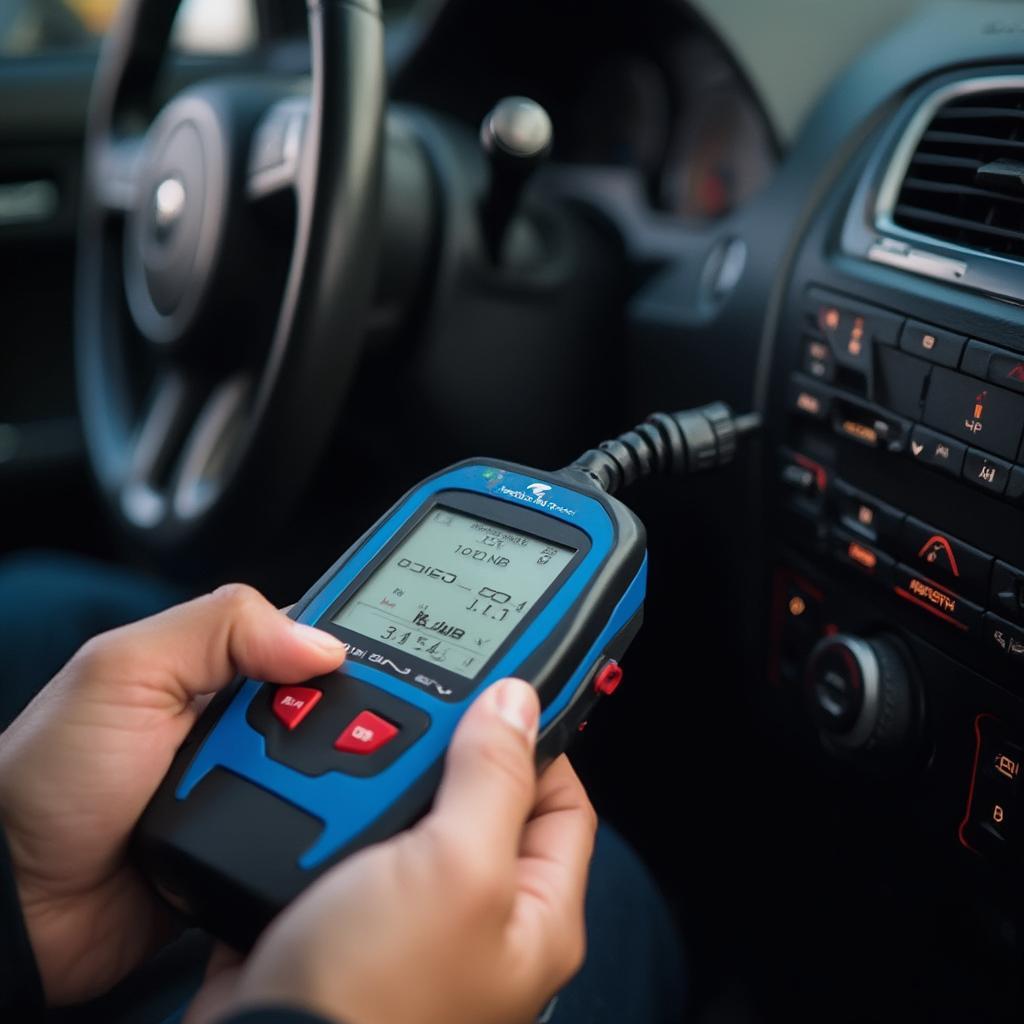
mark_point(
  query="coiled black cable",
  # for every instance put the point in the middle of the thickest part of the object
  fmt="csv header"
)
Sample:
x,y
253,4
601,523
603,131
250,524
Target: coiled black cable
x,y
678,443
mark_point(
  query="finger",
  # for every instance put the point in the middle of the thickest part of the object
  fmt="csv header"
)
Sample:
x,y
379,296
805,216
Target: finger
x,y
489,780
218,990
198,647
558,840
557,845
222,958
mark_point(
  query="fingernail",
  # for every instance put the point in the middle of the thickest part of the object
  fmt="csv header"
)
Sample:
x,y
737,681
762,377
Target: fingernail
x,y
318,638
517,705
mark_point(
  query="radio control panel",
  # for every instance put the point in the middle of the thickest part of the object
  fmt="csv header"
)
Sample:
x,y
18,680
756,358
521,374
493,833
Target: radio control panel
x,y
899,493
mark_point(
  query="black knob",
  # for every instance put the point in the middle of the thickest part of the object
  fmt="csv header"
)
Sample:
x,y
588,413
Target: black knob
x,y
862,696
516,136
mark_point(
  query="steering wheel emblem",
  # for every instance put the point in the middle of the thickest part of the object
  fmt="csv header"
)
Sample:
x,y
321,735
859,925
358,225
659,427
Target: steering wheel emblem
x,y
168,205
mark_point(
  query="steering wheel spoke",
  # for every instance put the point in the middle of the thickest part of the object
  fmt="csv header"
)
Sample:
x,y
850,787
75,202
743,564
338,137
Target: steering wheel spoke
x,y
155,452
210,446
275,153
117,172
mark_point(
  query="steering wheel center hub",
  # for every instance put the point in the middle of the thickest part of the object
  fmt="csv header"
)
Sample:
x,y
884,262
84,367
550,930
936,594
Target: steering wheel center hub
x,y
175,234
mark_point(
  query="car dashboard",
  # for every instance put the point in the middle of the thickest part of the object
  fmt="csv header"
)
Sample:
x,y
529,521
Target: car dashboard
x,y
819,746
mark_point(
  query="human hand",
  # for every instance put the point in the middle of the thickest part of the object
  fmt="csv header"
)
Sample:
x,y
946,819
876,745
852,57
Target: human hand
x,y
80,763
474,915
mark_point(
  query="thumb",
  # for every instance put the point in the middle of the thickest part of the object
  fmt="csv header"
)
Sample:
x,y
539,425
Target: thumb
x,y
198,647
489,782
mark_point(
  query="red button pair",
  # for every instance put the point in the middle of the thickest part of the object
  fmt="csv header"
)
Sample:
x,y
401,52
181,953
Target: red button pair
x,y
366,732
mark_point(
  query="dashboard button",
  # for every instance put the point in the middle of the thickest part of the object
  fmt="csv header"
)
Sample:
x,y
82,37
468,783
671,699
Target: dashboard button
x,y
855,553
900,382
1004,639
806,399
865,515
836,316
985,471
937,451
987,417
870,426
931,597
1015,485
801,474
847,334
932,343
995,365
1008,591
819,362
946,559
989,825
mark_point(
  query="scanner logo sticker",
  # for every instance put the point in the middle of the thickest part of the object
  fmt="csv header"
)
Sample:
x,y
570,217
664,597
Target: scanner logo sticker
x,y
536,494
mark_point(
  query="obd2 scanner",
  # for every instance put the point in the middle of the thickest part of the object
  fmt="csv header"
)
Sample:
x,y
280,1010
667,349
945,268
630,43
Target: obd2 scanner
x,y
485,570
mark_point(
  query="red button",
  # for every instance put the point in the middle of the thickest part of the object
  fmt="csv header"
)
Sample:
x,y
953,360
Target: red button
x,y
293,703
366,733
608,678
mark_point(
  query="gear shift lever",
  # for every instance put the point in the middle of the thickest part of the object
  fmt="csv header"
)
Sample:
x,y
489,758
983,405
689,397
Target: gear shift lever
x,y
516,136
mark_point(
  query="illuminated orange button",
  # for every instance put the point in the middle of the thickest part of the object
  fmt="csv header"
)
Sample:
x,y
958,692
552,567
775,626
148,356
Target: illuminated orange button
x,y
859,431
808,403
862,555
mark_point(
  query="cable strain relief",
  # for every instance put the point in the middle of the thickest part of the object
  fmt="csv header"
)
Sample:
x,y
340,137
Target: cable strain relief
x,y
666,427
600,468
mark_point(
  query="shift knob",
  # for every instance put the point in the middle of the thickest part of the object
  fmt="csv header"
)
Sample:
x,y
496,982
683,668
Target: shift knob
x,y
516,136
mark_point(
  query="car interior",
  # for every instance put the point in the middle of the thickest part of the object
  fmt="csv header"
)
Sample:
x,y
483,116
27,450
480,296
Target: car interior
x,y
263,271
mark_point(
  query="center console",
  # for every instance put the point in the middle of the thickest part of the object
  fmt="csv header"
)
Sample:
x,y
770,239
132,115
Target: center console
x,y
896,469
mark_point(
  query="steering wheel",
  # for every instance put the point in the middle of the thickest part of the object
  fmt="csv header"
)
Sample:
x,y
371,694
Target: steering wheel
x,y
226,256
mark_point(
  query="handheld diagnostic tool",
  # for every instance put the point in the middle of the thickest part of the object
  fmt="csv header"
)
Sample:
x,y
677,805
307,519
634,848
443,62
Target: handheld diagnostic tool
x,y
485,570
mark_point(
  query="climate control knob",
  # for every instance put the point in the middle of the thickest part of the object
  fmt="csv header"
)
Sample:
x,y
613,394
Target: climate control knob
x,y
862,696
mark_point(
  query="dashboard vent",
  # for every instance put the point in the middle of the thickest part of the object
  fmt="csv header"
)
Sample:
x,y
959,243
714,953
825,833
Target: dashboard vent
x,y
965,180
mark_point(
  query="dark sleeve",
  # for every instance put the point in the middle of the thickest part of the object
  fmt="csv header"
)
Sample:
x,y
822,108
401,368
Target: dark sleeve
x,y
21,992
278,1015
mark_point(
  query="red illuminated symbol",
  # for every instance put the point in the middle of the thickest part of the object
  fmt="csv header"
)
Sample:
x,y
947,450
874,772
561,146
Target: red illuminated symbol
x,y
928,342
797,606
820,476
1007,766
997,814
974,424
1017,373
936,547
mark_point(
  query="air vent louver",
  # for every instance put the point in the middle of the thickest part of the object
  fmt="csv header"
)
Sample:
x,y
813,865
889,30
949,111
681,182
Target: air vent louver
x,y
965,182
